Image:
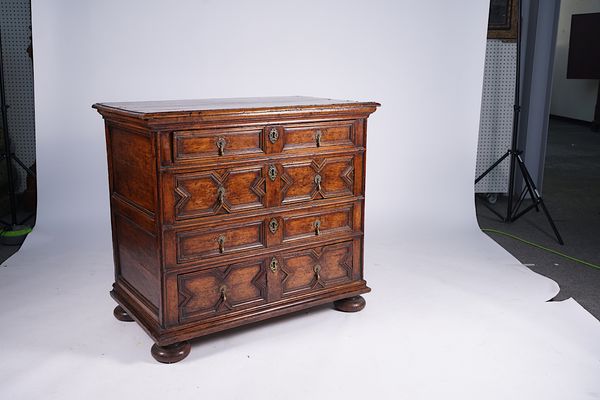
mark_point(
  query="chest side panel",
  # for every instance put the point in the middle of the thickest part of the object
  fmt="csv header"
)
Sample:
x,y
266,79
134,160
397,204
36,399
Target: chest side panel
x,y
133,168
133,196
138,260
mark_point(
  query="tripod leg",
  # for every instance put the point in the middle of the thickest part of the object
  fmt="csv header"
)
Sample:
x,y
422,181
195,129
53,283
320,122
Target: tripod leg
x,y
494,165
487,171
558,237
529,182
537,199
25,167
486,205
519,202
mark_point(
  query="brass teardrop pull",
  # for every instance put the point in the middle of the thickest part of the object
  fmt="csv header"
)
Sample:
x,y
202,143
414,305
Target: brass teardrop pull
x,y
221,241
223,293
317,270
318,136
317,227
221,145
318,180
221,195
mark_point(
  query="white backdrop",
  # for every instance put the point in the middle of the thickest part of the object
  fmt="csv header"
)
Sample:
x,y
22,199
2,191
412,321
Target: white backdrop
x,y
423,62
451,314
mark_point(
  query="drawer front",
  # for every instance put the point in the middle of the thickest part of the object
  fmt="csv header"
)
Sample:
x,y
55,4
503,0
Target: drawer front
x,y
318,224
314,179
216,144
313,136
250,236
200,244
215,291
210,292
222,191
252,187
220,143
316,268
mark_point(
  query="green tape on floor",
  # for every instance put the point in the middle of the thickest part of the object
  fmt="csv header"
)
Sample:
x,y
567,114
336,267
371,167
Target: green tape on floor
x,y
539,246
17,233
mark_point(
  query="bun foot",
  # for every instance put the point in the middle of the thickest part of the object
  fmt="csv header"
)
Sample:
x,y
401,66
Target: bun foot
x,y
351,304
172,353
121,314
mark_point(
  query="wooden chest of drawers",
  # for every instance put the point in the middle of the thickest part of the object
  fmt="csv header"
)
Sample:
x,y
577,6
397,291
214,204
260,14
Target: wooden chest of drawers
x,y
231,211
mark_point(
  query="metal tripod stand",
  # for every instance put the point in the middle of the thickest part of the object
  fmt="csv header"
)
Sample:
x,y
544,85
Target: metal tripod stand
x,y
513,213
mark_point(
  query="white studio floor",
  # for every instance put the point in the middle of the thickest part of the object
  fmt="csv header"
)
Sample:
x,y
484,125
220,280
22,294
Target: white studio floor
x,y
451,316
447,319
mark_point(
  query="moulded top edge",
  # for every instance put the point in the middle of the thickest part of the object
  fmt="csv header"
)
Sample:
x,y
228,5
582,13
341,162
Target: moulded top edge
x,y
249,105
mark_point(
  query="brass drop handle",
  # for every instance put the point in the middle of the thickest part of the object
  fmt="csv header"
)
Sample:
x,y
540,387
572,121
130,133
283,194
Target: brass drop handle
x,y
221,145
221,241
318,136
317,270
223,293
221,194
317,227
273,265
318,180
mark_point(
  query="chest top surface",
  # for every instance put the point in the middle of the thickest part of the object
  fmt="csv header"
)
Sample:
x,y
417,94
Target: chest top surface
x,y
169,108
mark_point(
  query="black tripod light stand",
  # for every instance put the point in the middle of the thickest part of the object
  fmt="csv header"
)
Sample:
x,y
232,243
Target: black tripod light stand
x,y
515,159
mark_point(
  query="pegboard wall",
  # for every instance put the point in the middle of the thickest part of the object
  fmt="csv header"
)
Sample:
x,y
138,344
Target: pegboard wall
x,y
496,121
15,23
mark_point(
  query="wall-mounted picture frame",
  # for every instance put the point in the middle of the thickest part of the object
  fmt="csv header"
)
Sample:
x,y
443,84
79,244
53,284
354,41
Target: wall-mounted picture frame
x,y
503,19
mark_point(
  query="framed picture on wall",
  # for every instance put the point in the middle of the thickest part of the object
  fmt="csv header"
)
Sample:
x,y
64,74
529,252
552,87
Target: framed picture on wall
x,y
503,19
